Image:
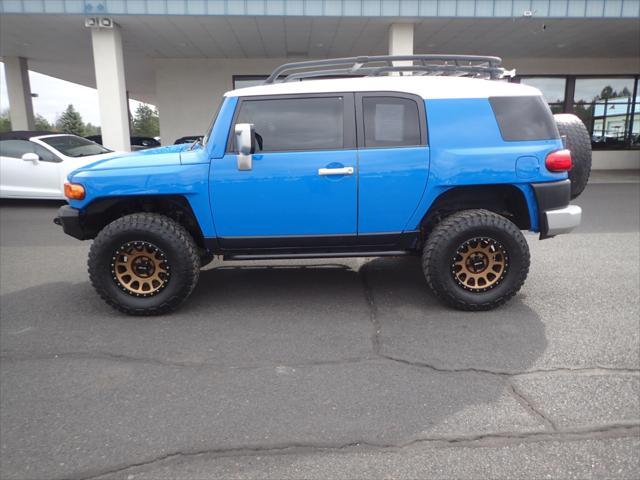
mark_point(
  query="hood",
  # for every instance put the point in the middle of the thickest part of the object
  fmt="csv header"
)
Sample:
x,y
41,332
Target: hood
x,y
133,160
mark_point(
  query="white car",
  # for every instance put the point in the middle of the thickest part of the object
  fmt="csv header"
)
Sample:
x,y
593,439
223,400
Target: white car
x,y
36,164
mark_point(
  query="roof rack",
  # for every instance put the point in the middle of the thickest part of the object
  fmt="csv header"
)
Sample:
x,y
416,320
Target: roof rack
x,y
452,65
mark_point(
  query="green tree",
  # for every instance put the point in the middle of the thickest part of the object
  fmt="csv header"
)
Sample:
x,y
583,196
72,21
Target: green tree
x,y
90,129
5,122
70,122
41,123
146,122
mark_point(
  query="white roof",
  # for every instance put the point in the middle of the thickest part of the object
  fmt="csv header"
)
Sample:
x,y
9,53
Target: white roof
x,y
428,87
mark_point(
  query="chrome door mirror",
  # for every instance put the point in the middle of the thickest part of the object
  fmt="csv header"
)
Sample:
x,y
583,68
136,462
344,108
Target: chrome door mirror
x,y
31,157
245,144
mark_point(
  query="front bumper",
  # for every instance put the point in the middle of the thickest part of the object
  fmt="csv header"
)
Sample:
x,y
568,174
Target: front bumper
x,y
562,220
69,219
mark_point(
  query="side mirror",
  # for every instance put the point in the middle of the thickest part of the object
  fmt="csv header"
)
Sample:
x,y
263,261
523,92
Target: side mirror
x,y
245,143
31,157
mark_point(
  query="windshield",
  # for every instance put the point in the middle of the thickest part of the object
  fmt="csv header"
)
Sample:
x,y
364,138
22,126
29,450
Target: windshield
x,y
73,146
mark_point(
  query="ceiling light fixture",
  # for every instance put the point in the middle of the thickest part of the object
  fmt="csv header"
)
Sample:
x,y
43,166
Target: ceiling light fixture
x,y
98,22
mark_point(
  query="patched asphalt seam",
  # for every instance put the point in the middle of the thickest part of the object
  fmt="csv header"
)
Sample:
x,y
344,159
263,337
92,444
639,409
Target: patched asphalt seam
x,y
100,355
495,439
81,355
373,311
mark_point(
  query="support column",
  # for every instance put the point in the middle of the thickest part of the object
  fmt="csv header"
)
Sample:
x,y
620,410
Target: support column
x,y
401,41
19,93
112,92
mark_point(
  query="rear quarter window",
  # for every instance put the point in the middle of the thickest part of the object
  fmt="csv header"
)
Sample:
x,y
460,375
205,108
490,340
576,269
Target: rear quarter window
x,y
524,118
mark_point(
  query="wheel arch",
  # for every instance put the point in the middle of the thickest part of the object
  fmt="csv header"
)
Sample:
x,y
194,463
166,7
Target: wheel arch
x,y
102,211
514,202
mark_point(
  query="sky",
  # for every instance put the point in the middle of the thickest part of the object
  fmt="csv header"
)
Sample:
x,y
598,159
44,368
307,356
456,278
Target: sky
x,y
54,95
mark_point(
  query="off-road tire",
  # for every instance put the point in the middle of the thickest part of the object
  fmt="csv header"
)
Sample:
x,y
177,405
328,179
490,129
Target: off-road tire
x,y
452,232
170,237
578,141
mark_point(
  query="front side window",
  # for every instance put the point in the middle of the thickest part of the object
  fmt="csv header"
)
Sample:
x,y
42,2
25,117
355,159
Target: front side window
x,y
17,148
73,146
605,106
295,123
390,122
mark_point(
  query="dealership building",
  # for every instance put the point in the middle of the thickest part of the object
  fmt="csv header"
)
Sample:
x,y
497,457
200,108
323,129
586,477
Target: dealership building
x,y
182,55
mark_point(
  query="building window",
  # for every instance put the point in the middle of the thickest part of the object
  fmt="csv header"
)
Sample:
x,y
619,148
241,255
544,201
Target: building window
x,y
243,81
553,90
605,106
608,106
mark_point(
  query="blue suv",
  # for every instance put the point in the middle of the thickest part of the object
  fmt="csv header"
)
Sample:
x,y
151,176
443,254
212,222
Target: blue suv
x,y
448,164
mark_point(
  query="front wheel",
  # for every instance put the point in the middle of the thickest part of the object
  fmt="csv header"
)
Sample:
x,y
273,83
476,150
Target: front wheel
x,y
144,264
475,260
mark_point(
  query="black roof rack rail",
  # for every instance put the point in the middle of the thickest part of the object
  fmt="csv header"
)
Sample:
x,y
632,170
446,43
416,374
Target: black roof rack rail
x,y
453,65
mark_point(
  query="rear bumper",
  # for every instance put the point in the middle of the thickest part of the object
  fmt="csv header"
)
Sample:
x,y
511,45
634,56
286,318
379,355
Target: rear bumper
x,y
562,220
69,219
555,215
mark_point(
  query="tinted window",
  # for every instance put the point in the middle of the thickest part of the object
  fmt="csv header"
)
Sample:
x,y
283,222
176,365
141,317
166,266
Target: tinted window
x,y
17,148
390,122
524,118
73,146
296,123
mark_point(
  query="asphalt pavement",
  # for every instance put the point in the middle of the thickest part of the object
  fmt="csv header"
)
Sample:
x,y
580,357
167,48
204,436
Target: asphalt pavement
x,y
324,369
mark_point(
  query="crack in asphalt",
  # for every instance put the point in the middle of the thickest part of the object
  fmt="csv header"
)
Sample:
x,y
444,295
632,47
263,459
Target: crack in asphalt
x,y
596,370
493,439
528,405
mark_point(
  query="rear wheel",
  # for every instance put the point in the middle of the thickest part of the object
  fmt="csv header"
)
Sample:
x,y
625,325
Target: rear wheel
x,y
475,260
144,264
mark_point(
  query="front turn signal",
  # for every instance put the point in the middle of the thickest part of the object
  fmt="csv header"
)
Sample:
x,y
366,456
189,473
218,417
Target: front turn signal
x,y
74,191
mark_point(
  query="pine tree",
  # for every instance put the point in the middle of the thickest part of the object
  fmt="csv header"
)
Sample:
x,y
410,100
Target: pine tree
x,y
70,122
146,122
42,124
90,129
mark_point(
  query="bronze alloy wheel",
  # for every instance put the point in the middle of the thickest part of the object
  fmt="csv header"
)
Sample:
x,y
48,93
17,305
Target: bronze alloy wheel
x,y
140,269
479,264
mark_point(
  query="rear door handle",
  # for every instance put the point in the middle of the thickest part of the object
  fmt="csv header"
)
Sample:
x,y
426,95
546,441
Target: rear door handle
x,y
335,171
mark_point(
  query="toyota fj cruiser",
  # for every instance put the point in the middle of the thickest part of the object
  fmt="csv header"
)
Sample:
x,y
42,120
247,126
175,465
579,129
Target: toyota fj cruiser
x,y
434,157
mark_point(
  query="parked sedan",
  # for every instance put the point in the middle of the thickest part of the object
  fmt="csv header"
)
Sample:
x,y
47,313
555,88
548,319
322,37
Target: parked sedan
x,y
137,143
36,164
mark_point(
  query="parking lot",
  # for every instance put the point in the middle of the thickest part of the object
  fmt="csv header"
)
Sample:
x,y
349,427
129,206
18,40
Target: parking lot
x,y
316,369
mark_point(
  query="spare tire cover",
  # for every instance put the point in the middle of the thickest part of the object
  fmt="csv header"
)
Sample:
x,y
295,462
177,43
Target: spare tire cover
x,y
578,141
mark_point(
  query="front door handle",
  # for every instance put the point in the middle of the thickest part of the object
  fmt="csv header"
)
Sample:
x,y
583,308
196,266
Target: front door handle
x,y
335,171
